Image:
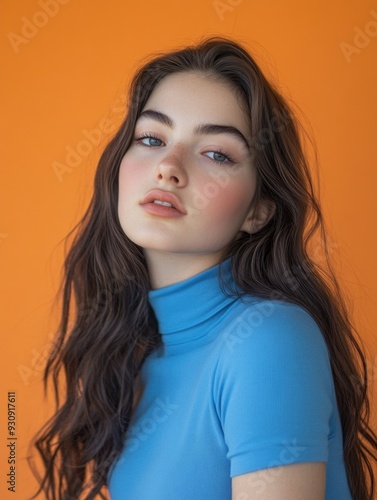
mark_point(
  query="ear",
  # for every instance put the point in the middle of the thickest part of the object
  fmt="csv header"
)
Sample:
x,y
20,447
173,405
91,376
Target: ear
x,y
258,216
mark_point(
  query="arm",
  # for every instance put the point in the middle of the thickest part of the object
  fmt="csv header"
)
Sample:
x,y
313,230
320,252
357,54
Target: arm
x,y
303,481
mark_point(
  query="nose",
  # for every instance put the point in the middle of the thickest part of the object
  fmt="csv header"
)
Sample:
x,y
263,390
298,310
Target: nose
x,y
171,171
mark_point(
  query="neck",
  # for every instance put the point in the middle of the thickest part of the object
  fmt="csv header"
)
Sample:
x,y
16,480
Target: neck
x,y
188,311
165,268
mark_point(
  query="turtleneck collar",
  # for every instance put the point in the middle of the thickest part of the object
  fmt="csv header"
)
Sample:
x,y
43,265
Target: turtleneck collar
x,y
186,310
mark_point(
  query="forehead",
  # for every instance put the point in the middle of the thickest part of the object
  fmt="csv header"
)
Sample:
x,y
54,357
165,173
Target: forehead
x,y
198,97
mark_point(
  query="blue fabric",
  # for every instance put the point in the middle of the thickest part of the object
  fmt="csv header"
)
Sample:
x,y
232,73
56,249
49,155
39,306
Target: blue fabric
x,y
238,385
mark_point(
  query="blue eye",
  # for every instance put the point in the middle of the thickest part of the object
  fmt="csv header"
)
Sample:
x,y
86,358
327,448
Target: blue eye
x,y
150,141
219,157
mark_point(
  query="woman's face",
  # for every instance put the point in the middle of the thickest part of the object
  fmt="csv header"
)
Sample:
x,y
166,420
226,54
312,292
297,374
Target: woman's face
x,y
190,148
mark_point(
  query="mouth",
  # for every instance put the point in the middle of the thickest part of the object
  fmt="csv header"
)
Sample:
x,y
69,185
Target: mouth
x,y
161,202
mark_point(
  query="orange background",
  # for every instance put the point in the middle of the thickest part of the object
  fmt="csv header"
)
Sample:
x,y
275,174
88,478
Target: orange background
x,y
66,70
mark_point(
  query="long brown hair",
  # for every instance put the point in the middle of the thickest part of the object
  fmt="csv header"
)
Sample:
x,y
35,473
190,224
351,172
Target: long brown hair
x,y
108,328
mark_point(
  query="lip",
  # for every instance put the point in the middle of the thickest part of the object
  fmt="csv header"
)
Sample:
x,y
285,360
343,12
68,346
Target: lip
x,y
158,194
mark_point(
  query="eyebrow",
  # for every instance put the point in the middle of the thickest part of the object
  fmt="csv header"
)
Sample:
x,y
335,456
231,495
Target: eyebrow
x,y
205,128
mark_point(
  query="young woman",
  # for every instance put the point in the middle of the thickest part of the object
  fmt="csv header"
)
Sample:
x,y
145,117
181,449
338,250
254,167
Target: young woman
x,y
205,353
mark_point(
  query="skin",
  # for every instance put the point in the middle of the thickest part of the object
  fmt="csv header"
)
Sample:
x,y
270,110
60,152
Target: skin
x,y
218,198
219,203
303,481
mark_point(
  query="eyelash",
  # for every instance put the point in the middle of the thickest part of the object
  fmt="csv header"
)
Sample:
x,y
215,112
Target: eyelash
x,y
220,151
148,135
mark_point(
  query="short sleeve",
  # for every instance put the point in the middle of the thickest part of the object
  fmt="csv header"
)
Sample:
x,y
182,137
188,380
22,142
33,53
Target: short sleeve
x,y
273,388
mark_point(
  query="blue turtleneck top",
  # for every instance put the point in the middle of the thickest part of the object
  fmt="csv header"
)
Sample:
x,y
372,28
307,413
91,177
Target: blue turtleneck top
x,y
238,385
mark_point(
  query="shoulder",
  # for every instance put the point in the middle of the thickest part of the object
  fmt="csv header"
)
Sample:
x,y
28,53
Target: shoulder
x,y
270,324
273,340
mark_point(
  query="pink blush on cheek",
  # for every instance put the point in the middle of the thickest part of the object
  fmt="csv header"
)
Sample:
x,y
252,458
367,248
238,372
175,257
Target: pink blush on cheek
x,y
127,168
231,202
130,177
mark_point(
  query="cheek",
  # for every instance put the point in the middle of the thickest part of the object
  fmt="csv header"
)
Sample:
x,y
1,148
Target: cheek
x,y
122,179
129,175
129,193
233,201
